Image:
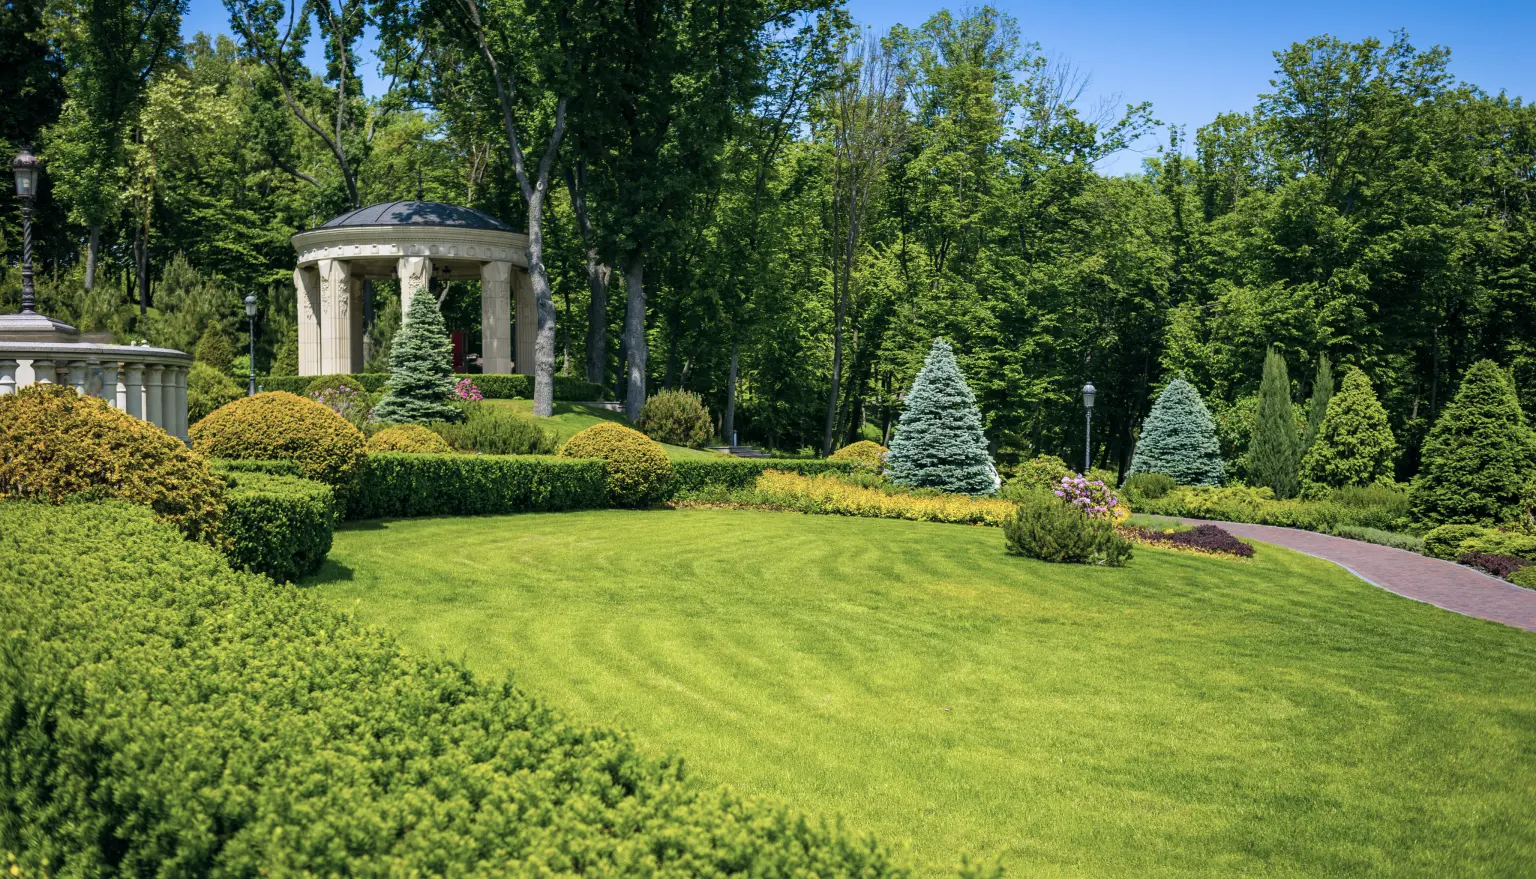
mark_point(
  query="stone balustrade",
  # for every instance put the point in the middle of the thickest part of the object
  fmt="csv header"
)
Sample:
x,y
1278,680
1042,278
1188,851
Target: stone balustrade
x,y
147,383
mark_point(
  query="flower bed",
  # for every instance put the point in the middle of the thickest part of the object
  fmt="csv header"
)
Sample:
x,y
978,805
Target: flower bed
x,y
1208,539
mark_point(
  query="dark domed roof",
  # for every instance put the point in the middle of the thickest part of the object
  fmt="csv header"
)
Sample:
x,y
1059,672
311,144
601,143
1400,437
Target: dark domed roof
x,y
418,213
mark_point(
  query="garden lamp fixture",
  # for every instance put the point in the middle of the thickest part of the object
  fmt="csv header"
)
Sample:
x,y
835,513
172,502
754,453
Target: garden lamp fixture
x,y
1088,392
250,316
26,167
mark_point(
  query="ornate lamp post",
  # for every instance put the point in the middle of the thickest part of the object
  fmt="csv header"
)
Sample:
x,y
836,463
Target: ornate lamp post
x,y
1088,392
250,316
25,166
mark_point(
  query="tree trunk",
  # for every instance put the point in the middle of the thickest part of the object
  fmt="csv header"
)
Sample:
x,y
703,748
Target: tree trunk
x,y
141,268
91,252
728,429
598,273
634,334
544,306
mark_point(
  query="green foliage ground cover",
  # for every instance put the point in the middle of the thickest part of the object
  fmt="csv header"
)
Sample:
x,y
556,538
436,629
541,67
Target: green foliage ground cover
x,y
1181,716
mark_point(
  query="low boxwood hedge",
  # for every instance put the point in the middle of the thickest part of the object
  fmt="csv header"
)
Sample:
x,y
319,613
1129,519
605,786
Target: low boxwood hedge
x,y
694,475
396,485
277,525
502,387
168,716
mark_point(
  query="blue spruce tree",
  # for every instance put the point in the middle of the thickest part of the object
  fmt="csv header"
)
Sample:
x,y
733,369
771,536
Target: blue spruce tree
x,y
421,368
1179,439
939,442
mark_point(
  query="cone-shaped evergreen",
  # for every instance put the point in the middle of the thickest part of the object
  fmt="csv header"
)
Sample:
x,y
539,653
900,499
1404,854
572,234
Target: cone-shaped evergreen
x,y
421,368
214,349
1179,439
1479,458
1354,444
1274,452
1322,392
939,442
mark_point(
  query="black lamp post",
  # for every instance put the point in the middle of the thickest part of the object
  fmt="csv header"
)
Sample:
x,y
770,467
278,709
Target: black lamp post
x,y
250,316
1088,392
25,166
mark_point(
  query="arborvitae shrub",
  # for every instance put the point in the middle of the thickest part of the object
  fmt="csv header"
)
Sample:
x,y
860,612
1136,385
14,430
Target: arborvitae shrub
x,y
408,438
1322,394
56,445
214,349
496,430
865,454
939,441
1048,528
676,417
207,390
1354,445
1274,452
1478,460
639,472
1178,439
277,425
421,369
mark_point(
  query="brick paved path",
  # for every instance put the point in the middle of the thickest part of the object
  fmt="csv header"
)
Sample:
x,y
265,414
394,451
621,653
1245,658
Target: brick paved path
x,y
1443,584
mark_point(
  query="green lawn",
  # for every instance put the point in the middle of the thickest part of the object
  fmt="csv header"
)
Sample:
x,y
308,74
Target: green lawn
x,y
572,417
1183,716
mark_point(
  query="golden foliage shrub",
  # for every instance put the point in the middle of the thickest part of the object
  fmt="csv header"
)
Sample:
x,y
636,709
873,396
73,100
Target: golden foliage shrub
x,y
639,471
829,494
277,425
408,438
863,453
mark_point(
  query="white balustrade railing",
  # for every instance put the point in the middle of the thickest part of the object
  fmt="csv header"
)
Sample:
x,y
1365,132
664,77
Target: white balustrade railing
x,y
147,383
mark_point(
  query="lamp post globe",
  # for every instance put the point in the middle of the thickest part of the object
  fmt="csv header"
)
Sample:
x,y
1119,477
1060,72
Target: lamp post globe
x,y
26,169
250,316
1088,394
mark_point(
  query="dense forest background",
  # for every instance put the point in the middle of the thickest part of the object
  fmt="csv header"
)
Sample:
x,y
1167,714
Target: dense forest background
x,y
789,209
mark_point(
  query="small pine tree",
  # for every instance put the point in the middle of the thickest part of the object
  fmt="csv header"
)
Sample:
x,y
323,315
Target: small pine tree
x,y
1274,452
939,441
421,369
285,360
1354,444
214,349
1479,456
1178,439
1322,392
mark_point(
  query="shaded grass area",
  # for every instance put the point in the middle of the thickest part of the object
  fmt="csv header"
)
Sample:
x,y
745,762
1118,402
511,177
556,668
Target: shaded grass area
x,y
1182,716
569,418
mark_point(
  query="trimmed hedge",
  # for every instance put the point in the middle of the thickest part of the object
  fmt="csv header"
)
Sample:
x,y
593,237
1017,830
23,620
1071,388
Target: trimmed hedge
x,y
503,387
168,716
275,424
280,526
256,465
396,485
694,475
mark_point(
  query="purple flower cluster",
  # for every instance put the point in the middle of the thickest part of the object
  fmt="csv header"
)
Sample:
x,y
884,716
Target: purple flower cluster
x,y
1204,538
1502,566
1092,497
467,391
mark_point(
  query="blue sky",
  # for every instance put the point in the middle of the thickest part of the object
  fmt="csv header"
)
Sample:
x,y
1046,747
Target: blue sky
x,y
1193,60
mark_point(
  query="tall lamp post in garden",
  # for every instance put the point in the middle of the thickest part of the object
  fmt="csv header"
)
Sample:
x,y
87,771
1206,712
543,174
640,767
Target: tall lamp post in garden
x,y
250,317
25,166
1088,392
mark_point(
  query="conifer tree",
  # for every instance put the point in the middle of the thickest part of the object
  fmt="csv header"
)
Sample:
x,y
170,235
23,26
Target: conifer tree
x,y
1274,452
421,368
214,349
1479,458
1322,392
939,441
1354,444
1178,439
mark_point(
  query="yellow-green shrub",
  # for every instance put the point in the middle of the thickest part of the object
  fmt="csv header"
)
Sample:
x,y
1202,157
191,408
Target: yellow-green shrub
x,y
277,425
864,453
639,472
829,494
408,438
676,417
56,444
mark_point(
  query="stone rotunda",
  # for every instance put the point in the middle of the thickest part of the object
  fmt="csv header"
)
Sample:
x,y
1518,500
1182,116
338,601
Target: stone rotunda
x,y
414,241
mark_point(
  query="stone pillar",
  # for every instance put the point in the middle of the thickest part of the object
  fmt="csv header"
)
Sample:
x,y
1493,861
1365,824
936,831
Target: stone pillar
x,y
8,376
496,317
42,372
95,379
154,395
527,320
130,393
415,276
306,283
78,377
179,408
358,326
335,317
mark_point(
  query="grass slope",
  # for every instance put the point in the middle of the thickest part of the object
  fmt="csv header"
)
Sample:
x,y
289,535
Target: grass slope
x,y
568,418
1183,716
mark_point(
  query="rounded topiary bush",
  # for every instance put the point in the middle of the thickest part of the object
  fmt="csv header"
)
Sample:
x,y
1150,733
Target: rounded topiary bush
x,y
408,438
207,390
277,425
676,417
639,472
864,453
56,444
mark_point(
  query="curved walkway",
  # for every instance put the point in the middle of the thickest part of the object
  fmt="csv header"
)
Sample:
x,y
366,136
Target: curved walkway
x,y
1444,584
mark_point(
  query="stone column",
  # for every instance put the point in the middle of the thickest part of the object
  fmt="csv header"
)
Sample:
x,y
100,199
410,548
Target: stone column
x,y
415,276
42,372
335,317
527,320
78,377
130,393
173,413
496,317
306,283
181,402
8,376
154,395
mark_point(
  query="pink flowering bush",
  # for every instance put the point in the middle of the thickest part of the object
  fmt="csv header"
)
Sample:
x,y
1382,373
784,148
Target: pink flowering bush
x,y
467,391
1091,496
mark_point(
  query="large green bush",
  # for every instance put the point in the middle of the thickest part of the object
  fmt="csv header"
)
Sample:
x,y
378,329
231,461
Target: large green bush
x,y
167,716
1048,528
865,454
1354,445
939,441
277,425
56,445
420,369
207,390
496,430
397,485
280,526
639,472
1479,458
676,417
1040,473
1178,439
